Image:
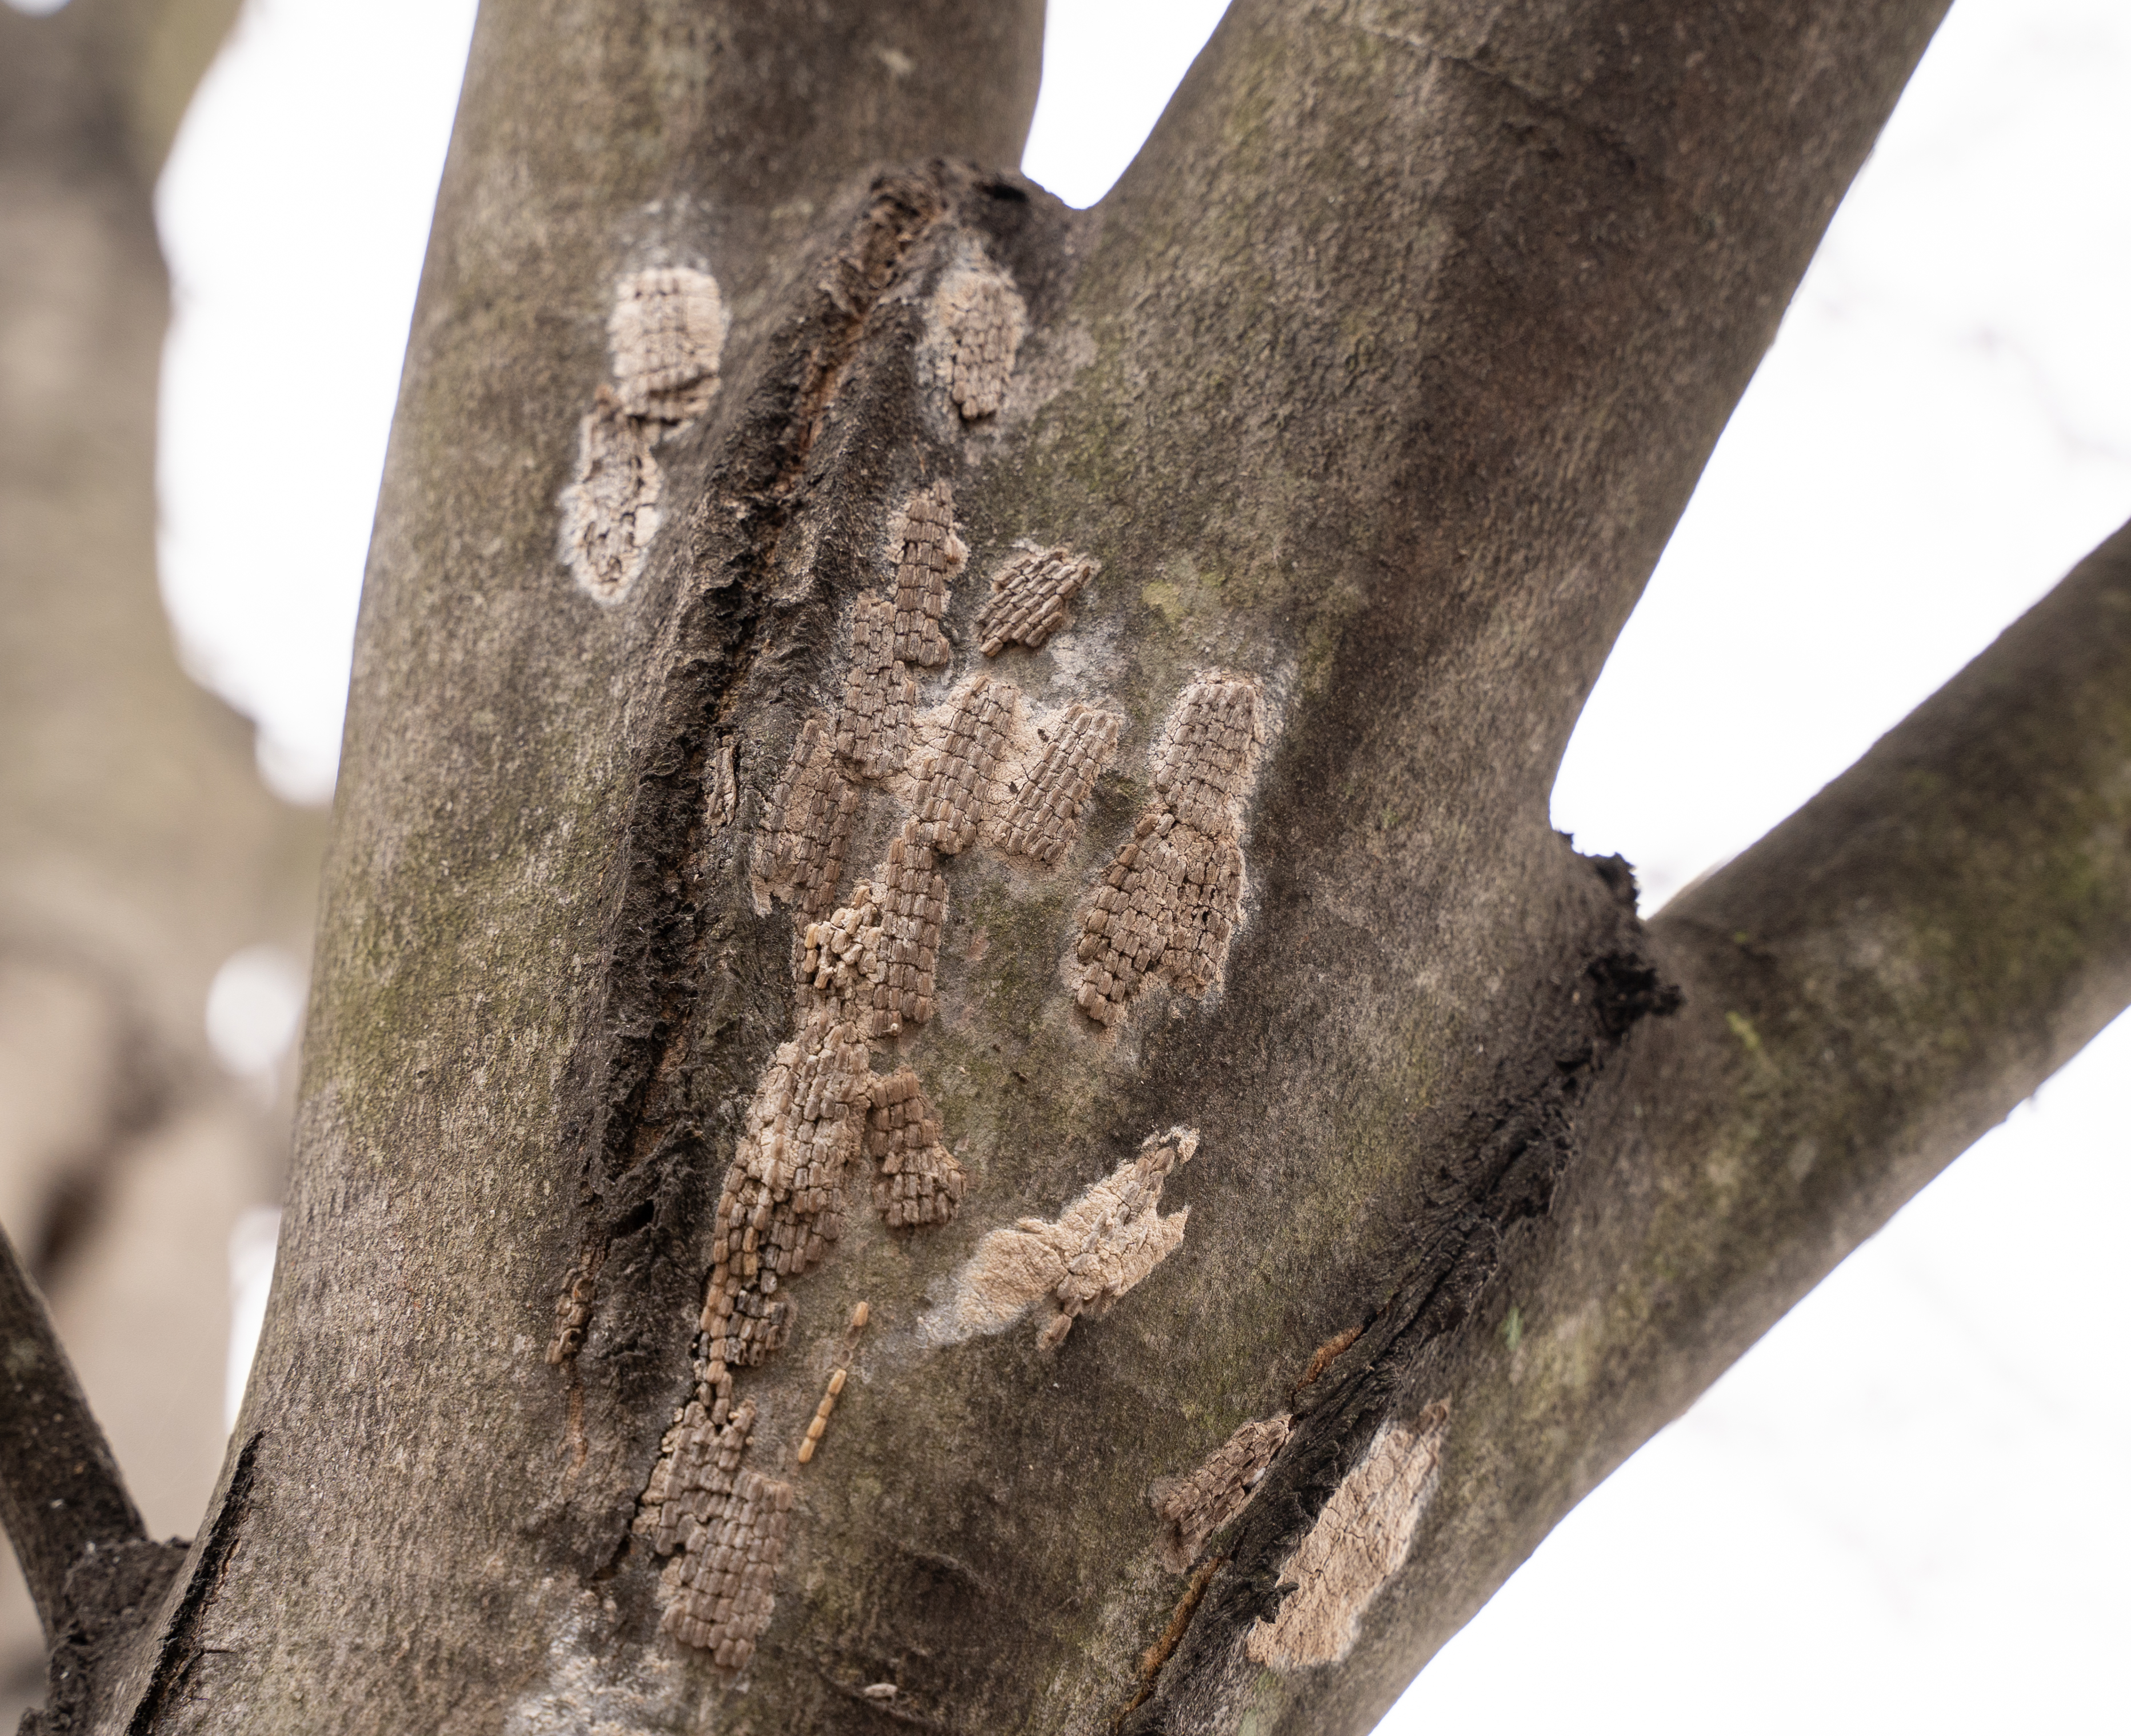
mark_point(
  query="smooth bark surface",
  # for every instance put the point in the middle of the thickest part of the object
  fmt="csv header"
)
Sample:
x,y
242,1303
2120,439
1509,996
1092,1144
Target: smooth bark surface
x,y
1376,387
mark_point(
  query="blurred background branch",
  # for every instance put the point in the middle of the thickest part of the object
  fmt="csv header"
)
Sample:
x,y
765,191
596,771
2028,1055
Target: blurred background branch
x,y
138,850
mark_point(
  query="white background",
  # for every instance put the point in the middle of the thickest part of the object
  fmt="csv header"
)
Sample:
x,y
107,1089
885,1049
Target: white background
x,y
1906,1509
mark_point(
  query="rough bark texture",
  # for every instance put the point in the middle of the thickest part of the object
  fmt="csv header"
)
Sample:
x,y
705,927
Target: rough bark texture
x,y
1375,390
137,848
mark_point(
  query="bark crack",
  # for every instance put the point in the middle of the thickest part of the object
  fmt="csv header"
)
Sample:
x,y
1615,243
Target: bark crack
x,y
1520,1154
178,1648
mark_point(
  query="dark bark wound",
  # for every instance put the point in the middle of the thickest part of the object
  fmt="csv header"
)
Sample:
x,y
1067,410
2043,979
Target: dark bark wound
x,y
178,1648
111,1596
791,491
1520,1151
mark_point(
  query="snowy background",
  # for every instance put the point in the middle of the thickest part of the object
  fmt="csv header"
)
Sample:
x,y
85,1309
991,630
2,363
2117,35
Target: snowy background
x,y
1905,1509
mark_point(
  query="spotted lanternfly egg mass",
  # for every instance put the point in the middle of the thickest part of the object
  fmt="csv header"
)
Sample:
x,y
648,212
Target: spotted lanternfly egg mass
x,y
973,770
873,734
928,554
666,333
1044,816
611,508
666,329
729,1524
799,854
1029,597
984,317
1193,1507
1167,904
1102,1246
919,1181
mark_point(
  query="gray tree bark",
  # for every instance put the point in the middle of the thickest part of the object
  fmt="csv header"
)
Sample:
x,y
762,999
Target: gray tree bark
x,y
1375,389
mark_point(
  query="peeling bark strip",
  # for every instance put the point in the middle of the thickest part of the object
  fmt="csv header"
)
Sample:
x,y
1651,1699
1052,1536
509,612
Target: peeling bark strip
x,y
1168,904
1359,1541
667,332
1326,1354
179,1649
1151,1660
1029,596
1109,1239
1192,1509
721,793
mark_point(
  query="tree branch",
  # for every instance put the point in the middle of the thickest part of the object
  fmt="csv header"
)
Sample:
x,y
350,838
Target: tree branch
x,y
746,120
1886,975
1499,276
104,83
61,1495
1867,990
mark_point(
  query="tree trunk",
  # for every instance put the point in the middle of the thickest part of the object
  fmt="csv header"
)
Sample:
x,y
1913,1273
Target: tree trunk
x,y
1233,1176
